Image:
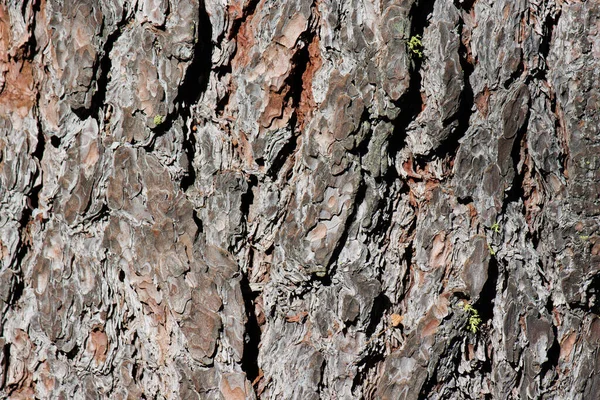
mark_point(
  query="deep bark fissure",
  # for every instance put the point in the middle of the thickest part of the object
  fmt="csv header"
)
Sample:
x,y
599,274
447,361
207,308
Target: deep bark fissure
x,y
411,103
247,13
252,331
197,74
516,192
485,304
348,224
189,148
381,304
102,68
449,146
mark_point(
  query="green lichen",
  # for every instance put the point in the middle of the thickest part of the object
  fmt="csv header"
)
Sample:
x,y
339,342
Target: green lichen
x,y
158,119
495,227
474,318
416,46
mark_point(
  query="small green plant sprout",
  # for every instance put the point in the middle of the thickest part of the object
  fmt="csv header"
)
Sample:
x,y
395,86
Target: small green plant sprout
x,y
158,119
416,46
492,251
495,227
474,318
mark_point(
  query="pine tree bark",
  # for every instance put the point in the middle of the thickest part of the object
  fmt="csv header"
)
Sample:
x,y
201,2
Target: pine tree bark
x,y
259,199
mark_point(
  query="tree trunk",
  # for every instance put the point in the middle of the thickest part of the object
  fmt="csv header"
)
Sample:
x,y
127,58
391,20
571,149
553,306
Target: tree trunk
x,y
257,199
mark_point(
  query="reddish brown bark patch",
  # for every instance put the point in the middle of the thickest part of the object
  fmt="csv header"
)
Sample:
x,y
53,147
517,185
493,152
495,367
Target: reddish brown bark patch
x,y
17,89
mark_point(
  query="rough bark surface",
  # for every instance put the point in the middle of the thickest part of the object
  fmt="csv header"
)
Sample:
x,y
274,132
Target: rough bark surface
x,y
257,199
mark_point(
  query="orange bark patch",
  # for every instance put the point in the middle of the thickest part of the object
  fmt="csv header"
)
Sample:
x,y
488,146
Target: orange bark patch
x,y
244,38
482,101
297,318
98,344
233,386
566,346
440,251
307,102
430,328
17,91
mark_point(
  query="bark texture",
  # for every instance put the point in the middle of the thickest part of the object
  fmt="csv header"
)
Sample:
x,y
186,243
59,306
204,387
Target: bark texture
x,y
260,199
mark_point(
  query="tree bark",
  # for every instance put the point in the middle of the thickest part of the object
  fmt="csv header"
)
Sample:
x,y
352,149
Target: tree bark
x,y
256,199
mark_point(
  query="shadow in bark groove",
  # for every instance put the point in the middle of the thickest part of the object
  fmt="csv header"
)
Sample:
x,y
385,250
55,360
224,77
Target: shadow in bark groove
x,y
380,304
411,103
485,303
253,332
198,72
331,267
101,70
450,145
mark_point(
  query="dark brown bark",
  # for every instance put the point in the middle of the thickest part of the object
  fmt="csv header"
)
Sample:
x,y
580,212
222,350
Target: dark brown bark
x,y
296,200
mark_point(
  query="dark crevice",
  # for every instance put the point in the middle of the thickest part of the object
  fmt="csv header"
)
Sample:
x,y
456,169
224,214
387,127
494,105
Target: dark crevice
x,y
294,84
464,200
134,371
248,197
71,354
237,24
221,71
18,287
516,190
252,332
189,148
466,5
300,61
593,295
364,367
6,356
193,86
544,49
198,223
102,69
553,355
102,214
198,72
331,267
55,141
429,386
381,303
284,153
362,148
411,103
32,202
449,146
321,384
485,304
419,16
516,74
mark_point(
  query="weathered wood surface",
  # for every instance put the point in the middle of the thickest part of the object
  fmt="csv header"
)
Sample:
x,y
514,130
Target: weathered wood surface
x,y
232,199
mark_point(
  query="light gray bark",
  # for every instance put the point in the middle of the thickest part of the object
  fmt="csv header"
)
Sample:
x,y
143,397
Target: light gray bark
x,y
285,200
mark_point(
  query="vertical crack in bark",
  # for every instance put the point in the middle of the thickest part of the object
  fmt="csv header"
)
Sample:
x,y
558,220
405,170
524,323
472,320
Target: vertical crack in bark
x,y
32,203
248,12
189,148
361,192
252,332
516,191
487,296
381,303
294,83
102,69
449,146
198,72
